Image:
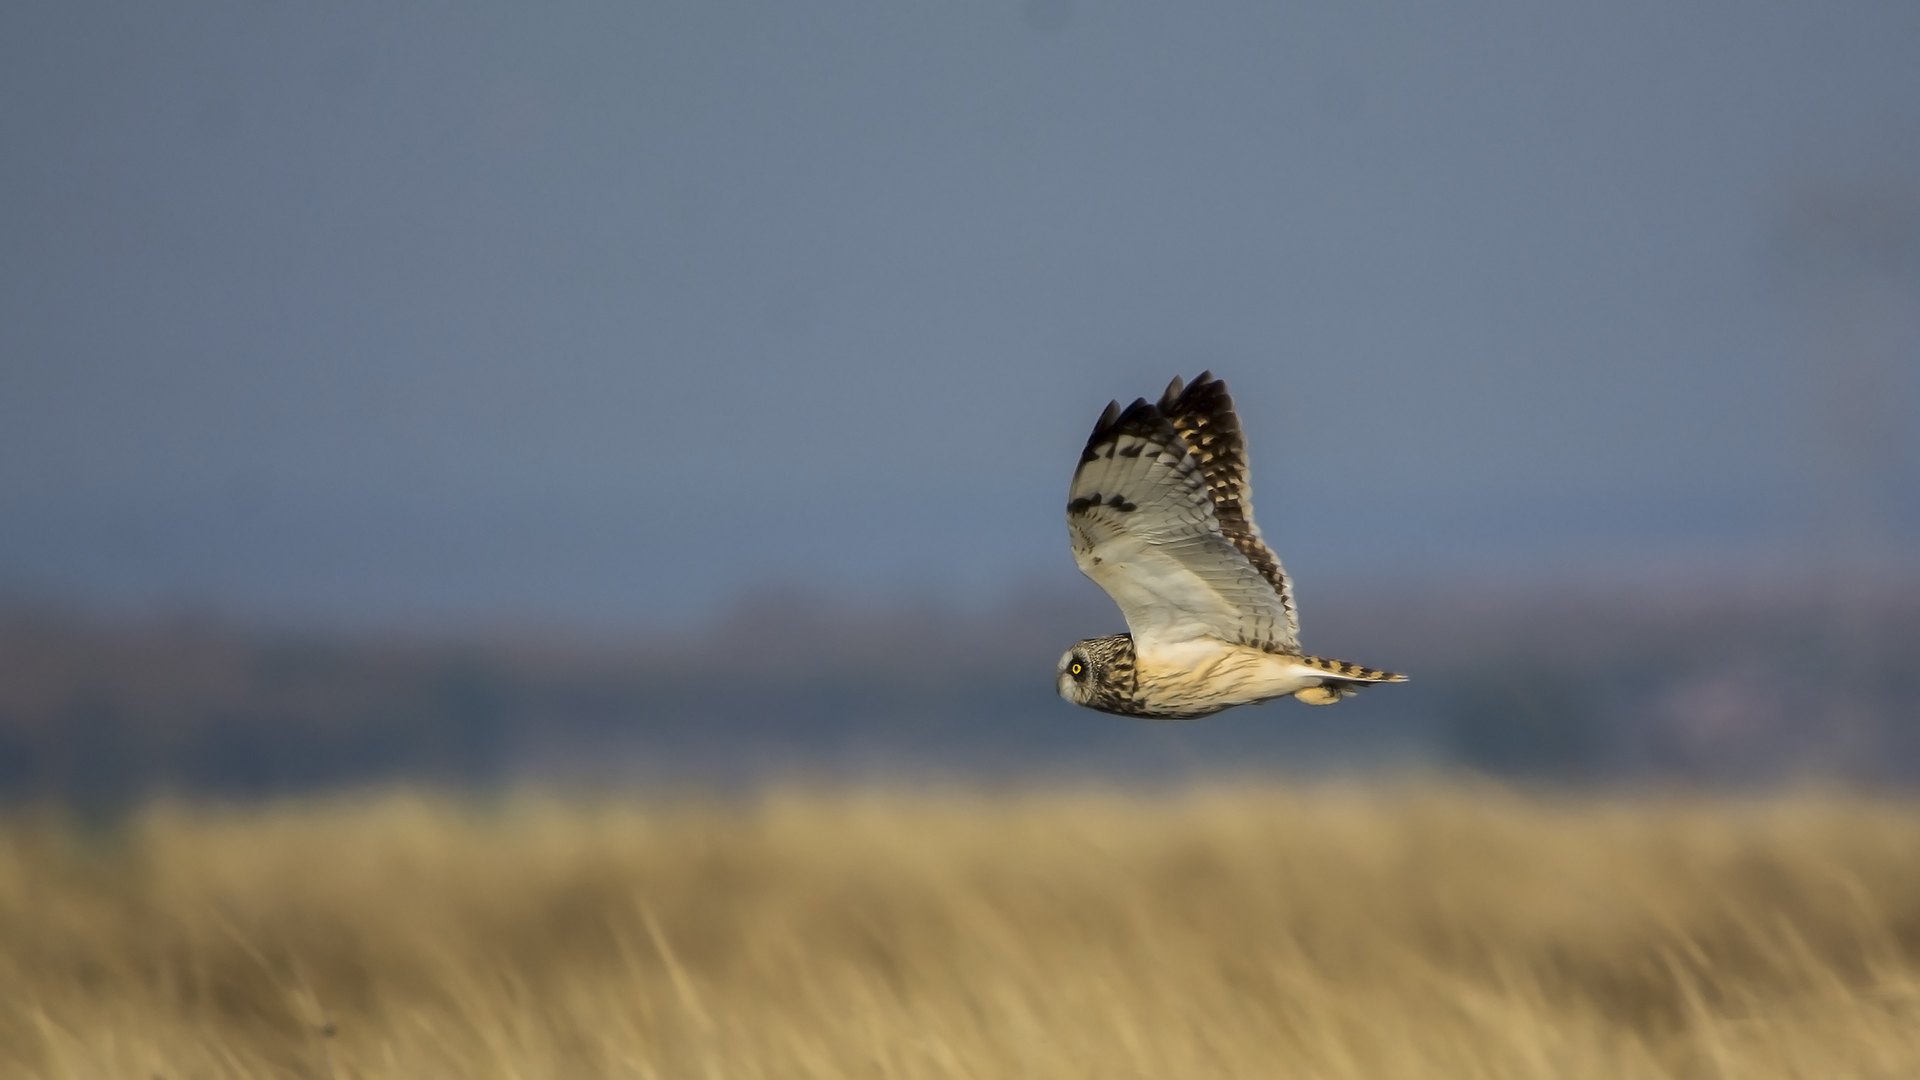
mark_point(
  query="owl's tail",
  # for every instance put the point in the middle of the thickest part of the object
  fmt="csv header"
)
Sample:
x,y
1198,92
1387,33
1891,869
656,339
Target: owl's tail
x,y
1342,680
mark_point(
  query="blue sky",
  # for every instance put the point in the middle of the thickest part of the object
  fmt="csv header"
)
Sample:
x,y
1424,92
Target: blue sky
x,y
606,312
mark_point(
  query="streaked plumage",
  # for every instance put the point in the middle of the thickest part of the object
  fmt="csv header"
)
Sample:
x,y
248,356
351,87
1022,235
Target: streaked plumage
x,y
1160,515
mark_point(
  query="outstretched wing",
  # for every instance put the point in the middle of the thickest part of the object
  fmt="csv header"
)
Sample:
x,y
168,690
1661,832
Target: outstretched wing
x,y
1144,524
1203,415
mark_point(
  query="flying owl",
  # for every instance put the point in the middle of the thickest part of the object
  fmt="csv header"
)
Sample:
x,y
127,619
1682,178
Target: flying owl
x,y
1161,517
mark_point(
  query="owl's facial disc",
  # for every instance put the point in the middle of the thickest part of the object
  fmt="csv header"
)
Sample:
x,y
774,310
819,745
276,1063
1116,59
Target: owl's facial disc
x,y
1074,676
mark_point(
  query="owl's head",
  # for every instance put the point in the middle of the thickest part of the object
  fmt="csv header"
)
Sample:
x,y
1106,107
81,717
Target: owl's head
x,y
1098,673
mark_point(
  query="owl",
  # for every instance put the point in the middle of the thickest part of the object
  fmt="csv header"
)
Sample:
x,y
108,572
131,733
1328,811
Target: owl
x,y
1160,516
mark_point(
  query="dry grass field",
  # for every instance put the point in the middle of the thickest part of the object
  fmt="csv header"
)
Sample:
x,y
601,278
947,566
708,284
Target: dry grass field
x,y
1223,932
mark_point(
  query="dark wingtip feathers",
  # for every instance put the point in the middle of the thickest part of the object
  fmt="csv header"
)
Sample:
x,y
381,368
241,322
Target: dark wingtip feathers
x,y
1204,396
1139,417
1117,419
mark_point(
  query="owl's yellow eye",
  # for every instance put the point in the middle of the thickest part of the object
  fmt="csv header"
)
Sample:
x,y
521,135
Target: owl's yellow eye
x,y
1077,668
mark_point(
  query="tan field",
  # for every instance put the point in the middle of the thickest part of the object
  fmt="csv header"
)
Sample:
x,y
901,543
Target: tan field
x,y
1223,932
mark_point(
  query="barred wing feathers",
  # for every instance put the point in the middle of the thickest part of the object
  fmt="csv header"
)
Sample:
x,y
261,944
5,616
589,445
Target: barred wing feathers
x,y
1203,415
1142,518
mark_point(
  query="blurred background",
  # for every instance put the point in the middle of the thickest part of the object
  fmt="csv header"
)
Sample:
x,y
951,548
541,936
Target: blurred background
x,y
674,392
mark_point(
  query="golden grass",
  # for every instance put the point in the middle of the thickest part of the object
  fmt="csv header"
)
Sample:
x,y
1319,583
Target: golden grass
x,y
1230,932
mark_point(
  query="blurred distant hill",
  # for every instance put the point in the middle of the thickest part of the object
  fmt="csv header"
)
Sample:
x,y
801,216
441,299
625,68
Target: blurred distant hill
x,y
1726,686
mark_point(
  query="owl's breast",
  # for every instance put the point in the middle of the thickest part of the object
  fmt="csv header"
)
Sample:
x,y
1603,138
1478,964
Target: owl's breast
x,y
1196,678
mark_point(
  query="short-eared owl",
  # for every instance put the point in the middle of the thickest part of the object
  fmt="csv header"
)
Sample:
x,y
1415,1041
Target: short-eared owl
x,y
1161,517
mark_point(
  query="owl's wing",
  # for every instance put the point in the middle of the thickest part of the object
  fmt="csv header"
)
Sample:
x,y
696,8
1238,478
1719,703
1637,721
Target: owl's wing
x,y
1203,415
1160,521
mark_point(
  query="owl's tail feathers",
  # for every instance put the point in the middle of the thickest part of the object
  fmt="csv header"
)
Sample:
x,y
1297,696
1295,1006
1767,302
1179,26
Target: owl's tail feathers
x,y
1342,680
